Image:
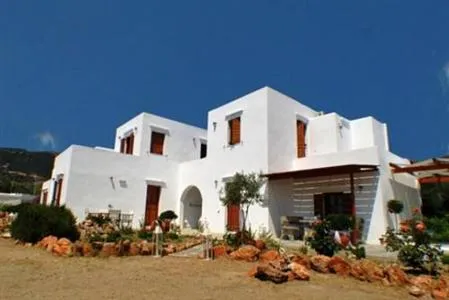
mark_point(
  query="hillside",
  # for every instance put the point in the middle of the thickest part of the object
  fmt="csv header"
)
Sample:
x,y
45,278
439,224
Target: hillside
x,y
22,171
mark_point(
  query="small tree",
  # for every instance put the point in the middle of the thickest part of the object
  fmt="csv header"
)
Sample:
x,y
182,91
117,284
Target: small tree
x,y
243,190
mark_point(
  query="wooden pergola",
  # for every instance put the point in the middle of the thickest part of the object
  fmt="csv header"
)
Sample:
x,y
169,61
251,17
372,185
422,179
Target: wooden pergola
x,y
433,170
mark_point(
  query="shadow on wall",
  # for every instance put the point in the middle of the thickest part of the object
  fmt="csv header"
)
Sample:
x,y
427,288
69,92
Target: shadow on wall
x,y
410,197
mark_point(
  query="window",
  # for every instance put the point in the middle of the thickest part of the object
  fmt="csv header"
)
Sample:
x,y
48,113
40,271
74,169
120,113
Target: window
x,y
234,131
157,143
44,197
300,138
333,204
58,190
203,151
127,144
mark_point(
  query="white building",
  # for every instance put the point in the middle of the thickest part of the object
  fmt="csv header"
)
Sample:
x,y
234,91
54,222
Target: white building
x,y
310,159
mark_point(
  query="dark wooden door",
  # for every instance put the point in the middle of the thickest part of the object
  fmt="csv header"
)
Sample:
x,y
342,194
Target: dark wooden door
x,y
233,215
152,204
157,143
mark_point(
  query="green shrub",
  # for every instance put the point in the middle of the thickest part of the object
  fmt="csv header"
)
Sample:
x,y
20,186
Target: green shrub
x,y
340,222
171,236
322,240
445,259
438,228
395,206
35,221
145,235
168,215
99,220
269,240
413,244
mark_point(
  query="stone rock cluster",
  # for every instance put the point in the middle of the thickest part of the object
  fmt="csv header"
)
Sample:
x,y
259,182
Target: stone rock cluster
x,y
272,266
65,248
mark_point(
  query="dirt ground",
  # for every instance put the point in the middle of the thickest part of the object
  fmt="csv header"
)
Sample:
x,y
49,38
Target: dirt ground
x,y
29,273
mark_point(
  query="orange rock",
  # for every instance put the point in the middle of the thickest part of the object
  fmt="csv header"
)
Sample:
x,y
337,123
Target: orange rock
x,y
300,271
291,276
87,249
440,294
320,263
302,260
247,252
396,275
366,270
109,249
134,249
269,255
424,282
339,266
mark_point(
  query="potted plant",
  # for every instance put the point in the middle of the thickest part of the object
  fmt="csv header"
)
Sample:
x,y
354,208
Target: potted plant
x,y
165,219
357,229
395,207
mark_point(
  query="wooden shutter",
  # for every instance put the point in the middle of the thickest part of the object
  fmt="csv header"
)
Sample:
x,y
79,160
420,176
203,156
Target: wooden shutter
x,y
301,138
157,143
152,204
233,216
122,145
44,197
130,144
58,192
234,131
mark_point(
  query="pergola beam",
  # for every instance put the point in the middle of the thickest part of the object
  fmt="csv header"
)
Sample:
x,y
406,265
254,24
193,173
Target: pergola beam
x,y
420,168
434,179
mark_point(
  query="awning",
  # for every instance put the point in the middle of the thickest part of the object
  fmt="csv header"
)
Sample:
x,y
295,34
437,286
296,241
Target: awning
x,y
431,170
324,171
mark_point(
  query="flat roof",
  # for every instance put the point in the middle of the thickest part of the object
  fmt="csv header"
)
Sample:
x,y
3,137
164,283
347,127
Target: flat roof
x,y
323,171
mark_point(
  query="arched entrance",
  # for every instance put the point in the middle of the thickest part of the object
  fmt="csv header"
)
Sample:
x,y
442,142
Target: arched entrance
x,y
192,207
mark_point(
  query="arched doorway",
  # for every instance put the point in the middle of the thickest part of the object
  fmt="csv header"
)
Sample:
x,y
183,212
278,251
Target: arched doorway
x,y
192,207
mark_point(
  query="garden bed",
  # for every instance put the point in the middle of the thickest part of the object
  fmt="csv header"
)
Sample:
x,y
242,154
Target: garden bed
x,y
64,247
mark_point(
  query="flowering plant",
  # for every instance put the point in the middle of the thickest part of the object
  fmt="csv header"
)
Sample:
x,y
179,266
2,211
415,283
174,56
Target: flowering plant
x,y
412,242
322,240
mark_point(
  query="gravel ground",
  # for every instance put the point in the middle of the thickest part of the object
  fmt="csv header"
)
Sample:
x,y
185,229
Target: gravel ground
x,y
29,273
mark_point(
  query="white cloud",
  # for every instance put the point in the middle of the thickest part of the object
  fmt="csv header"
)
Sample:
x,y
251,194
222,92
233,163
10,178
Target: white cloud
x,y
444,78
46,139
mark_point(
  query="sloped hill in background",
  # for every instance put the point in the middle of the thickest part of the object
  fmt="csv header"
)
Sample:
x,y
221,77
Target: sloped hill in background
x,y
22,171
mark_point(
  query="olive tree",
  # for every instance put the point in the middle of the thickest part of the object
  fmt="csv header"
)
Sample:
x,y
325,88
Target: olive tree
x,y
243,190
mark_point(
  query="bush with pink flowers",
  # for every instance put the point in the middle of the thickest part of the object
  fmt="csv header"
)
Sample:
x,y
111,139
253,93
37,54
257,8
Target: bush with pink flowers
x,y
413,243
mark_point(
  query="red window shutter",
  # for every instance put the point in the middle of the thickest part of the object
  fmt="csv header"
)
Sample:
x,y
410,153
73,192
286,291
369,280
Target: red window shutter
x,y
130,144
301,138
58,192
122,145
157,143
234,131
44,197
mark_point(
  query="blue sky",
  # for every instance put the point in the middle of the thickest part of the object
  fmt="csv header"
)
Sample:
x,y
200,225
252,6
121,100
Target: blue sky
x,y
72,71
